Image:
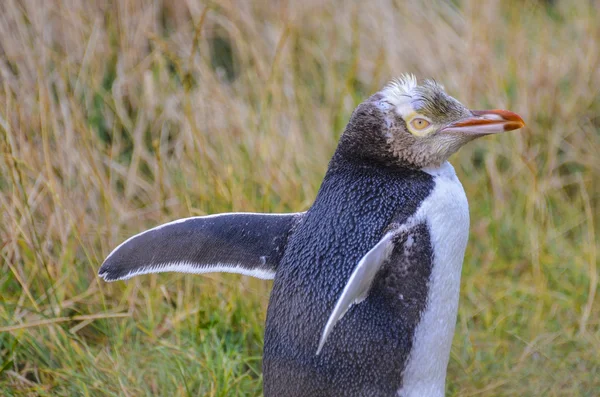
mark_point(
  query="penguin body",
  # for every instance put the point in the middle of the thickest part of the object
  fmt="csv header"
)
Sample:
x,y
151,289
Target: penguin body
x,y
366,281
369,350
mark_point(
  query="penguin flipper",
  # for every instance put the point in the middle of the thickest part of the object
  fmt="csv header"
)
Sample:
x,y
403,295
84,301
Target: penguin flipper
x,y
359,283
246,243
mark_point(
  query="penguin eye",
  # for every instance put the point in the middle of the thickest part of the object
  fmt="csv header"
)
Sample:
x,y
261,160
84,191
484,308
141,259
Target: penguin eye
x,y
419,124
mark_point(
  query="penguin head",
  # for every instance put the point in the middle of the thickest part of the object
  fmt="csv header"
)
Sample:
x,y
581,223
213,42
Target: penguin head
x,y
418,125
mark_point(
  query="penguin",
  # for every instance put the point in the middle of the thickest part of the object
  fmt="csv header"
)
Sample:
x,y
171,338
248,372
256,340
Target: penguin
x,y
366,281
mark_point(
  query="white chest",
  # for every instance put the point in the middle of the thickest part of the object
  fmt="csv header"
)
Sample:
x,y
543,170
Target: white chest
x,y
446,212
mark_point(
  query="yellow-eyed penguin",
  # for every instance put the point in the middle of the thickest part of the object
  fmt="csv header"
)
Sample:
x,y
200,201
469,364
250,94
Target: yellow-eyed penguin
x,y
367,280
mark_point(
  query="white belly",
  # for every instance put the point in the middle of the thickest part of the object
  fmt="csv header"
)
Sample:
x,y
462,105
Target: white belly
x,y
446,212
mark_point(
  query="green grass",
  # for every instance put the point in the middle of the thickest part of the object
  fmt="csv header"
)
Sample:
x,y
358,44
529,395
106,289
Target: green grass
x,y
115,118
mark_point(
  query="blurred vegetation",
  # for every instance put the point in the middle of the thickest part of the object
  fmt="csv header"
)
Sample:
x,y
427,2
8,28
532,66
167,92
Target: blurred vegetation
x,y
119,115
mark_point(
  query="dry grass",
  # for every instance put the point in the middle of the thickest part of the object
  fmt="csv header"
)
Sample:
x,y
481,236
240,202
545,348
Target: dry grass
x,y
115,116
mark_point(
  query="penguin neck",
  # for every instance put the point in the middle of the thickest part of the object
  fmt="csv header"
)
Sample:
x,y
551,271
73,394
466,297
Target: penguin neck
x,y
445,170
373,150
351,154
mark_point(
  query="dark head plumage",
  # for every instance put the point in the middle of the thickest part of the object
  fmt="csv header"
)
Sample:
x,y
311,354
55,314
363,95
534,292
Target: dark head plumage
x,y
417,126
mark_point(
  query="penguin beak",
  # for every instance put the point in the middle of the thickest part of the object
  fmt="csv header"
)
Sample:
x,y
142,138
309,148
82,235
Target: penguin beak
x,y
485,122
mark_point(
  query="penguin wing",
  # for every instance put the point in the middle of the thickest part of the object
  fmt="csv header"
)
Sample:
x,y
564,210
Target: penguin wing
x,y
246,243
359,283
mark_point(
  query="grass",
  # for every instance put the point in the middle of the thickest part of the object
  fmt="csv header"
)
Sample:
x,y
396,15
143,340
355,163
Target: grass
x,y
117,116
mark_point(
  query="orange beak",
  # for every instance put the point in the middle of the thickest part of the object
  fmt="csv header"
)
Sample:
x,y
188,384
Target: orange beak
x,y
484,122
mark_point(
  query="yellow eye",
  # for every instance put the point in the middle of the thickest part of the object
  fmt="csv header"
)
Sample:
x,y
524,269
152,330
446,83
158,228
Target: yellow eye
x,y
420,124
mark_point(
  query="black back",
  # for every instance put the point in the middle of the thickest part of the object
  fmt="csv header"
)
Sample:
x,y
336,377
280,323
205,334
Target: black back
x,y
367,350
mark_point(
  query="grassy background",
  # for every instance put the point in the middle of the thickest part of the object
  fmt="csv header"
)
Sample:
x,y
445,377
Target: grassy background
x,y
119,115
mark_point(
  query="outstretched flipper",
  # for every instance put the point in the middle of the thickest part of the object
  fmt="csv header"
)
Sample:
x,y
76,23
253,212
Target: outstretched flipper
x,y
246,243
